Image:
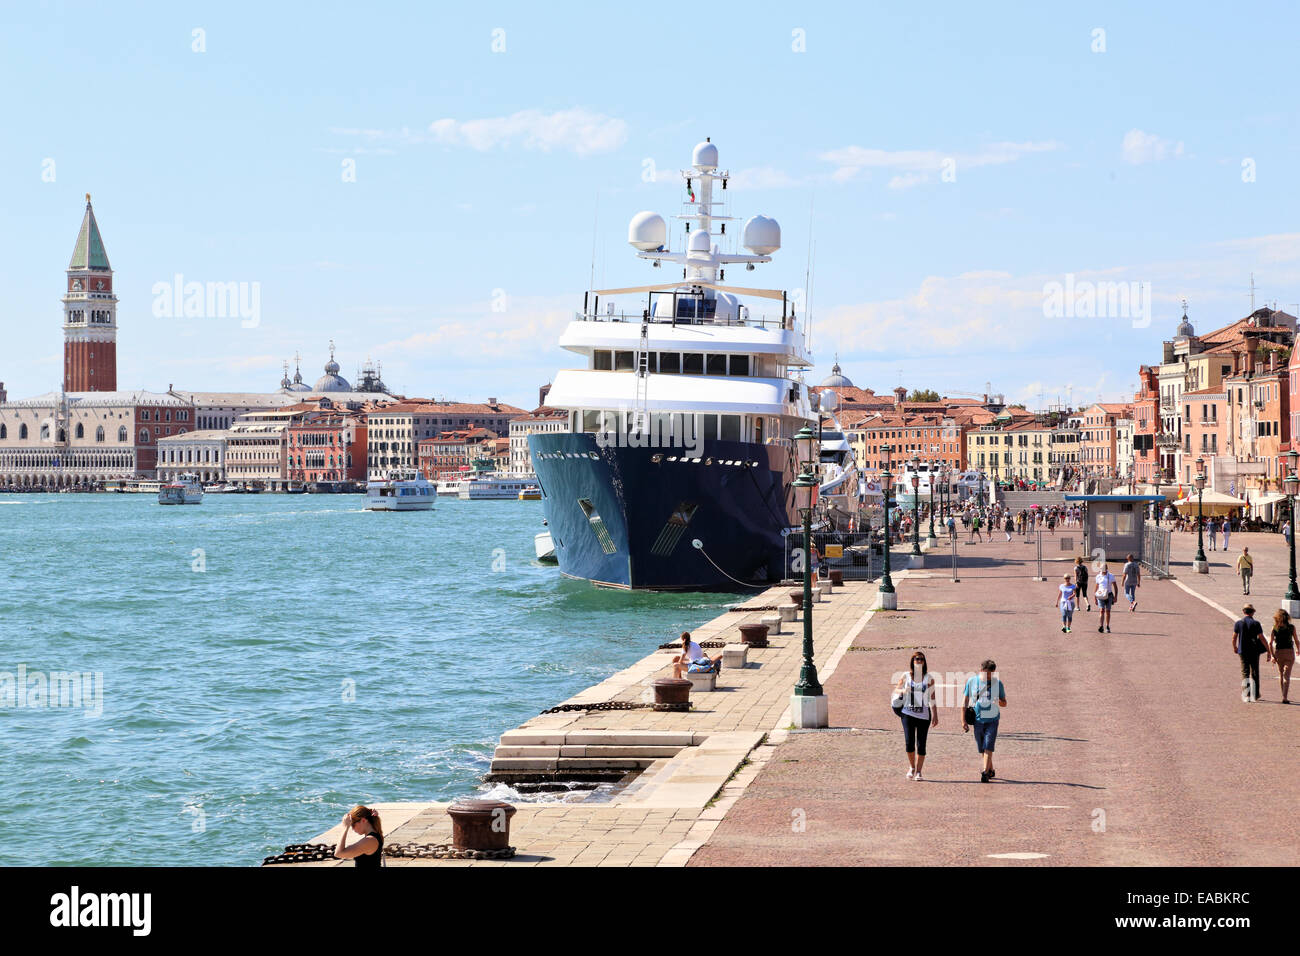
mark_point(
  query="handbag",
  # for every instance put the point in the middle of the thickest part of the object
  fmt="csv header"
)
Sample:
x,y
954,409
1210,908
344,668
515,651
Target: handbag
x,y
896,703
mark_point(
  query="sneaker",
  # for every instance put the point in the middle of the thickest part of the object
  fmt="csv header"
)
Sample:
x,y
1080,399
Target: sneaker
x,y
911,775
992,774
984,777
1135,606
1063,629
1068,630
1100,629
1107,630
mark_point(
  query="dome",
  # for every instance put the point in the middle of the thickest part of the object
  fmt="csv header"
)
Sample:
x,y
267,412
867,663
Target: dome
x,y
332,381
1185,329
837,379
705,157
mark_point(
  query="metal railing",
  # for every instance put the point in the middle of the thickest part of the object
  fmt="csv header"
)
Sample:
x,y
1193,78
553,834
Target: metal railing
x,y
759,322
1155,549
851,553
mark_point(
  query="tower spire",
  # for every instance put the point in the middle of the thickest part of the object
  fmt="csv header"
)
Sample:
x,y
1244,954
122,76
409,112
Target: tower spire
x,y
89,313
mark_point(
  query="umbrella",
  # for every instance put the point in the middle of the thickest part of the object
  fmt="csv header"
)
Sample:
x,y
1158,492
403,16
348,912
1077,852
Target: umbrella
x,y
1214,503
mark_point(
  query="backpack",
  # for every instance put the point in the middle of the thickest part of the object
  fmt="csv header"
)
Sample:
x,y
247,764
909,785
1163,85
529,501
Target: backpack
x,y
702,666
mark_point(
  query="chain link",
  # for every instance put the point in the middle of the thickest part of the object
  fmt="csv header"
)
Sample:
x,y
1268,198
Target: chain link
x,y
602,705
317,852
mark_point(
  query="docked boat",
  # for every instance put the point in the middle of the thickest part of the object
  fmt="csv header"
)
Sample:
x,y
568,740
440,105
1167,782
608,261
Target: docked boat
x,y
678,468
216,488
492,487
531,491
184,490
143,487
400,491
545,547
450,487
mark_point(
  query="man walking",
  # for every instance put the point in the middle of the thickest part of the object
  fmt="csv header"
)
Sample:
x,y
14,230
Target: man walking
x,y
1248,644
1105,597
1245,567
1227,531
1214,533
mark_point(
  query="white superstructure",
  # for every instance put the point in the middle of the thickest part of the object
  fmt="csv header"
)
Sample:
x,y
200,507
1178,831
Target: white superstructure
x,y
400,490
185,489
685,360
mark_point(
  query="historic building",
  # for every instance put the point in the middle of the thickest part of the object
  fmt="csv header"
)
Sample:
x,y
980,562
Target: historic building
x,y
201,453
89,314
539,421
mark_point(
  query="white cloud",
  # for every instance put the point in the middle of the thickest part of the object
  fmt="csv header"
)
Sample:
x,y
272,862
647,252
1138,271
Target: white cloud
x,y
1139,147
853,161
908,180
762,177
576,130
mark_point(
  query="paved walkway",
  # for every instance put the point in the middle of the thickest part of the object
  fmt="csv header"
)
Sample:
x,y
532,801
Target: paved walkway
x,y
1132,748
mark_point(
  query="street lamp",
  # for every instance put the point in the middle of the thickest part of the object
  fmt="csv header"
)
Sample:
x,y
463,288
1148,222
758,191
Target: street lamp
x,y
888,598
805,491
1201,565
1292,485
916,509
933,476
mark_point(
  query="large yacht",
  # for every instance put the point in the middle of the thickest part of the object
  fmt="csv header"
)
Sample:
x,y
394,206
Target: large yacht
x,y
677,470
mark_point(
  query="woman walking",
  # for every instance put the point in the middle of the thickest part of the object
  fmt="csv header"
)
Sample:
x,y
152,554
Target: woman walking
x,y
1081,583
1281,646
1009,526
982,701
918,713
367,852
1067,600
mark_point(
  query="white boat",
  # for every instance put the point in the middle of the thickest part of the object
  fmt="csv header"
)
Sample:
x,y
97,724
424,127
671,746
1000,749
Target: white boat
x,y
400,491
216,488
531,491
493,487
144,487
184,490
545,547
450,487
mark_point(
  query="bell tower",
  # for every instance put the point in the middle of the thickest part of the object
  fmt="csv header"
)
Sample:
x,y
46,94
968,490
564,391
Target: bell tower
x,y
89,314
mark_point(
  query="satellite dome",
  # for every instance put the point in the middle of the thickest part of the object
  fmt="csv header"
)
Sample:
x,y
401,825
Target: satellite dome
x,y
705,157
700,241
762,235
647,231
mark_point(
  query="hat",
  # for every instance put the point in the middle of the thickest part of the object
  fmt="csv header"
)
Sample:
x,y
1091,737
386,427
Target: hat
x,y
1248,609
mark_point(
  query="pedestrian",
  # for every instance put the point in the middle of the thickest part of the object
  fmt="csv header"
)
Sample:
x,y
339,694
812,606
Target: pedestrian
x,y
915,691
1214,532
1227,532
1286,532
952,529
1105,597
1132,580
1281,646
1009,527
1245,567
1248,644
982,700
975,528
367,852
693,654
1081,582
1067,599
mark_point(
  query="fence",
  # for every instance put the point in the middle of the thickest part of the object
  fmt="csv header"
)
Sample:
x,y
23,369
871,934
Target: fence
x,y
1155,549
848,552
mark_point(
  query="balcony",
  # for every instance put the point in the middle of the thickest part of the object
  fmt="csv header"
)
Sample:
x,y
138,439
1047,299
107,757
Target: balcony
x,y
1167,440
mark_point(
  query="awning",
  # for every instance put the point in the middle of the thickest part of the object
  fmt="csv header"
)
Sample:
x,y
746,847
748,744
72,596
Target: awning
x,y
1272,499
1212,503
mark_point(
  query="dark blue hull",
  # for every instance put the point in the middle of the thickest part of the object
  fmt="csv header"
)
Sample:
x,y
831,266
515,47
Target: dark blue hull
x,y
628,517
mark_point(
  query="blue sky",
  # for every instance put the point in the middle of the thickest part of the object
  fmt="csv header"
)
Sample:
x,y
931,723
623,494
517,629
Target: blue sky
x,y
478,171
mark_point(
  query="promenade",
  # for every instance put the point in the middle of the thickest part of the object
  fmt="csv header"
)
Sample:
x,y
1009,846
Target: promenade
x,y
1128,748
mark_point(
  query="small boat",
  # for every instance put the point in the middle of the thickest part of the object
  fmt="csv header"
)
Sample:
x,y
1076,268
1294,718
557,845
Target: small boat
x,y
185,490
144,487
216,488
492,487
400,491
450,488
295,488
545,548
530,492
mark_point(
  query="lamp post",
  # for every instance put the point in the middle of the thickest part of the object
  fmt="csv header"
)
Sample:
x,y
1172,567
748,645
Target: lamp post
x,y
932,539
916,510
809,706
1291,602
887,598
1200,565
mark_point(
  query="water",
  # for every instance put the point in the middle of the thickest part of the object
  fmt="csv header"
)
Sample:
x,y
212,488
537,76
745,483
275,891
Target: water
x,y
226,731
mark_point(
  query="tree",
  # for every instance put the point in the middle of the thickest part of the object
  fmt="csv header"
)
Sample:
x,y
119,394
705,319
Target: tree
x,y
923,395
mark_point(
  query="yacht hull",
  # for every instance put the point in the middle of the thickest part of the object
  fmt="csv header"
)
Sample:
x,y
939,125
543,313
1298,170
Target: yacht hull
x,y
620,518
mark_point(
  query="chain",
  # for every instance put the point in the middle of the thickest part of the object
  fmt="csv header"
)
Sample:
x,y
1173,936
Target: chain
x,y
677,645
753,607
602,705
316,852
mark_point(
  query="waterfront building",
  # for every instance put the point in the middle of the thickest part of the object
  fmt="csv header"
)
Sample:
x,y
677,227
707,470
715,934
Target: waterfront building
x,y
72,439
202,453
397,429
327,445
1097,443
539,421
1014,447
452,452
1147,436
932,437
1258,414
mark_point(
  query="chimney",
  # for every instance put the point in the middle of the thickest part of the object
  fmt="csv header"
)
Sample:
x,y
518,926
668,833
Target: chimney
x,y
1236,361
492,402
1169,353
1272,360
1249,366
900,395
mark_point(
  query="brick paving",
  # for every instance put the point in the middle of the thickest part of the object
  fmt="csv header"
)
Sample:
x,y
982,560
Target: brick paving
x,y
1132,748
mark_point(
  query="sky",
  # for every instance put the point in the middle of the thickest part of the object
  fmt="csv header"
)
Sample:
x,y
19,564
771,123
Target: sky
x,y
433,186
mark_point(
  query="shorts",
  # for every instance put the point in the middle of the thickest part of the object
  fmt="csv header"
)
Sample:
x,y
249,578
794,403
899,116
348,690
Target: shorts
x,y
986,734
1105,602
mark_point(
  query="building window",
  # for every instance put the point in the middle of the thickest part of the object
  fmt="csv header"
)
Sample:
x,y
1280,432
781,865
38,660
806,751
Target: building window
x,y
99,433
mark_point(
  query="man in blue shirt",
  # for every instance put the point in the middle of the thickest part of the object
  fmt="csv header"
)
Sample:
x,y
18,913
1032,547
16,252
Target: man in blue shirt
x,y
1248,644
985,694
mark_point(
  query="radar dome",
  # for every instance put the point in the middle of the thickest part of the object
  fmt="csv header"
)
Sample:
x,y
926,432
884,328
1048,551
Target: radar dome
x,y
700,241
762,235
647,231
705,157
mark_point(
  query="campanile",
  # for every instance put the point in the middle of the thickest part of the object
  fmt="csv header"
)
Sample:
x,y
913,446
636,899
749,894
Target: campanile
x,y
89,314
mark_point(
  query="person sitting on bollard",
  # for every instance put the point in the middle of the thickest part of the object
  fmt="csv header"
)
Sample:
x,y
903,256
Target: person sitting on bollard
x,y
691,654
367,852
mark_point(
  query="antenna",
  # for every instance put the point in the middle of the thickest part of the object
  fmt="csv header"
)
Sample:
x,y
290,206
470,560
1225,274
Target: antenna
x,y
1252,292
807,281
595,220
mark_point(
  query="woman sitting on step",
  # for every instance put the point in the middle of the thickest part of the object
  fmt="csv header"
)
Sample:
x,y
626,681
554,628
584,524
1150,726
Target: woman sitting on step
x,y
691,653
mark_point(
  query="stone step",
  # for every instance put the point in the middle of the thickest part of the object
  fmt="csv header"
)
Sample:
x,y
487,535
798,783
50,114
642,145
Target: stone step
x,y
554,752
601,738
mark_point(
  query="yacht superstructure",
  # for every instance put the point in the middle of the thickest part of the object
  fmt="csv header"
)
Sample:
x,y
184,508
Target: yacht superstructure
x,y
683,413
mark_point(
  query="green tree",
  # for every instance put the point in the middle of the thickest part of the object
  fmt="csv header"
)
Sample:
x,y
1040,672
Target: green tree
x,y
923,395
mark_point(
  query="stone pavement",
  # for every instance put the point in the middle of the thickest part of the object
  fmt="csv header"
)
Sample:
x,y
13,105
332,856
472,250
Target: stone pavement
x,y
1129,748
708,755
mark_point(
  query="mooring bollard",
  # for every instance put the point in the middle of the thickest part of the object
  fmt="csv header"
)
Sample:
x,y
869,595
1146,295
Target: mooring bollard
x,y
837,578
480,824
672,693
755,635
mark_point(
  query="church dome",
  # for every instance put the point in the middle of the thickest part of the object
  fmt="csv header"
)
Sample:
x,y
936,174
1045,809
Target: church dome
x,y
837,378
332,381
1185,329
